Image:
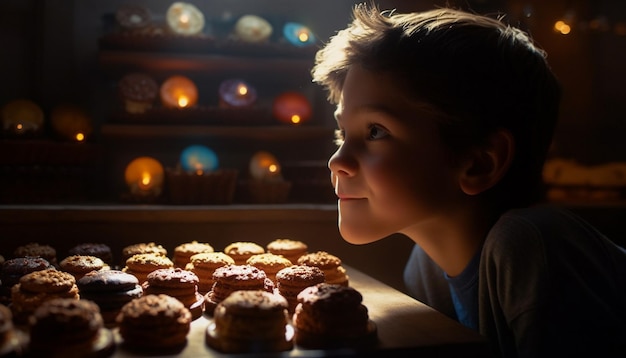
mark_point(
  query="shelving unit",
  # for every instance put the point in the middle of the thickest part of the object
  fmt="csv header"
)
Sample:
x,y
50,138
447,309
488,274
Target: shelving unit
x,y
234,133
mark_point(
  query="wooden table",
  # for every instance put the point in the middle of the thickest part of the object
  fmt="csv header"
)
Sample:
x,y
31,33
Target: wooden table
x,y
405,327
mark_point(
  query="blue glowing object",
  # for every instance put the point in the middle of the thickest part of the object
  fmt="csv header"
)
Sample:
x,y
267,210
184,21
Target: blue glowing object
x,y
298,34
198,159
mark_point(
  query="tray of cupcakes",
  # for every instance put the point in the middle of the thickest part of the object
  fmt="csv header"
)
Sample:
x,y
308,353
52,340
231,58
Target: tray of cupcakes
x,y
244,299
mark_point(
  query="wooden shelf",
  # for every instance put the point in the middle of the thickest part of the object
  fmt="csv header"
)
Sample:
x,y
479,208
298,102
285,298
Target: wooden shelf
x,y
187,131
115,62
163,214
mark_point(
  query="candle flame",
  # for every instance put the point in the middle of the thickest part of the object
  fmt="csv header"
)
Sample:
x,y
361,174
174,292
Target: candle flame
x,y
303,36
184,18
183,101
273,168
19,126
80,137
146,180
295,119
242,90
199,167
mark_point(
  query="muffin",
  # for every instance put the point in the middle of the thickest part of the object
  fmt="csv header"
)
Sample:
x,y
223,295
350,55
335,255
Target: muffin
x,y
64,327
138,92
334,273
141,265
183,252
38,287
203,265
241,251
269,263
332,316
291,280
110,290
251,322
37,250
231,278
102,251
131,18
142,248
79,265
291,249
178,283
154,324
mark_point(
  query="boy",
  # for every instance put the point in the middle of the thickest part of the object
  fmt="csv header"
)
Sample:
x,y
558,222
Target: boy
x,y
445,119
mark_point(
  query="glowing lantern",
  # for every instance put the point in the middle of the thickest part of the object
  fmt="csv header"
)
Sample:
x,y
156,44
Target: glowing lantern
x,y
198,159
179,92
21,116
71,122
236,93
298,35
144,176
264,166
184,19
292,108
252,28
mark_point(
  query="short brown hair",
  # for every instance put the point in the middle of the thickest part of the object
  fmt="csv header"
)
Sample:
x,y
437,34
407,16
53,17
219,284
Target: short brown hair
x,y
478,72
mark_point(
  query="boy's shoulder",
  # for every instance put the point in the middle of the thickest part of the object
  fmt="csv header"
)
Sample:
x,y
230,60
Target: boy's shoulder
x,y
546,230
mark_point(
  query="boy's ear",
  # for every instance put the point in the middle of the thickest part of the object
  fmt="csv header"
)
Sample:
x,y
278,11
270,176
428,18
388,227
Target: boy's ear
x,y
486,165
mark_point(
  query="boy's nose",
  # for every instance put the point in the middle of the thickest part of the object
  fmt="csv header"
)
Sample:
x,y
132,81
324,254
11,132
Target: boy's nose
x,y
340,165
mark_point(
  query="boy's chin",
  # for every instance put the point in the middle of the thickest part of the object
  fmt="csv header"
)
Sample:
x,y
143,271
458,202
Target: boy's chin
x,y
358,237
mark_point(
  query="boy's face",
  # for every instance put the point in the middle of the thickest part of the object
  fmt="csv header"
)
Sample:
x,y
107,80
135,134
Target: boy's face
x,y
391,172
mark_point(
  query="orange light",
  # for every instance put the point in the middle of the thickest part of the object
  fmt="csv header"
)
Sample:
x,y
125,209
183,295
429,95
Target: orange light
x,y
146,181
242,90
144,176
264,166
292,108
80,137
183,101
562,27
178,92
184,19
19,126
303,36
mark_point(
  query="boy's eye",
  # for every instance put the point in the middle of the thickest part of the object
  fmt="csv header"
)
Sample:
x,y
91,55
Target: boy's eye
x,y
377,132
339,136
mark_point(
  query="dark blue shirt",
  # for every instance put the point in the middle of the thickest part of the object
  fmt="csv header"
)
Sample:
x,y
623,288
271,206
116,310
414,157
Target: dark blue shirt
x,y
464,292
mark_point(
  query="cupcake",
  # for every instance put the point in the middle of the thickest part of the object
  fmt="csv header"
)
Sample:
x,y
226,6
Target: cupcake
x,y
332,316
65,327
251,322
229,279
138,92
183,252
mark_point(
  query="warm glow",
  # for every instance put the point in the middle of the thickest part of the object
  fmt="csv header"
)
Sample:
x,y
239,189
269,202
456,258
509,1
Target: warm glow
x,y
562,27
242,90
178,92
146,180
264,165
183,101
80,137
303,36
199,168
19,126
184,18
295,119
144,176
